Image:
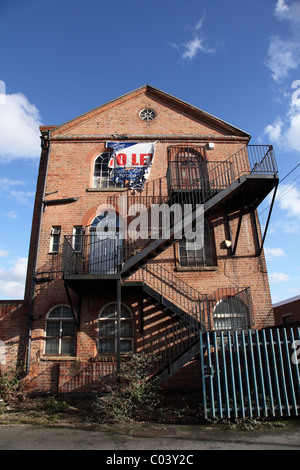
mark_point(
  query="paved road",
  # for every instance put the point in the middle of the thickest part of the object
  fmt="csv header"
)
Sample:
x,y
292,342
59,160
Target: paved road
x,y
176,439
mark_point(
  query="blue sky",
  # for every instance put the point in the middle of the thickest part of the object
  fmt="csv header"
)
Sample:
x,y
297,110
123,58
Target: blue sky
x,y
237,60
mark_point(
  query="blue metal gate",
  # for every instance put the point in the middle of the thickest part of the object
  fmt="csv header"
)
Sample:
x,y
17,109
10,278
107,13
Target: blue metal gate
x,y
253,373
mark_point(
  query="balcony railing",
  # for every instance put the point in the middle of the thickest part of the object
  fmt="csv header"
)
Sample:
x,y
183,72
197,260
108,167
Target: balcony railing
x,y
93,255
210,177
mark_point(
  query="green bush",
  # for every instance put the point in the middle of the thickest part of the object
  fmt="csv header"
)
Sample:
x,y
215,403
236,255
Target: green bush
x,y
11,386
134,397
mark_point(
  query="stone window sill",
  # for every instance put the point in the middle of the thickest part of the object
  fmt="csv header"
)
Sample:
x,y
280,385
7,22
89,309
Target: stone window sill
x,y
100,190
191,268
59,358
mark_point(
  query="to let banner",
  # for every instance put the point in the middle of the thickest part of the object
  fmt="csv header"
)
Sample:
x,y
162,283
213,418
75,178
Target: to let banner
x,y
131,162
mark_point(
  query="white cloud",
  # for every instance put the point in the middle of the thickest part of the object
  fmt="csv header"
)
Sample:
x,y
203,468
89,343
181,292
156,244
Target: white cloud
x,y
281,8
276,278
274,130
273,253
22,196
291,12
288,198
12,280
3,253
12,215
19,128
7,183
285,132
196,44
284,54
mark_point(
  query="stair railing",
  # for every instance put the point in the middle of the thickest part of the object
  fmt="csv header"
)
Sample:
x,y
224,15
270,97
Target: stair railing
x,y
175,290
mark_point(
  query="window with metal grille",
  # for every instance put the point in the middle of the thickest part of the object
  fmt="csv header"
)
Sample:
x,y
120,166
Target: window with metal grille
x,y
198,253
60,331
230,314
107,330
101,177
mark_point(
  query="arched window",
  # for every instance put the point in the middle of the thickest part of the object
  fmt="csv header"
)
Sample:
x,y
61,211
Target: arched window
x,y
107,330
230,313
101,178
60,331
198,253
191,169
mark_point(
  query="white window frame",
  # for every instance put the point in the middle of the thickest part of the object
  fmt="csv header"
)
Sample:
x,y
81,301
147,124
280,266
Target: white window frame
x,y
61,320
77,233
101,178
55,238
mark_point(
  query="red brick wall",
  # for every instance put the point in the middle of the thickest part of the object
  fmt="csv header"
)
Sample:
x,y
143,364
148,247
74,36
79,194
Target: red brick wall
x,y
69,174
13,334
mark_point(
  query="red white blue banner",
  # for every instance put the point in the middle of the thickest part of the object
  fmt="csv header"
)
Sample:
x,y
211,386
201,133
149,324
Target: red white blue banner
x,y
131,161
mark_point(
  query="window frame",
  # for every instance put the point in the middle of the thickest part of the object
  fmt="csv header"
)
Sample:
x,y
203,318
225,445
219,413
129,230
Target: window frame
x,y
108,184
55,239
61,320
231,316
114,336
75,238
209,245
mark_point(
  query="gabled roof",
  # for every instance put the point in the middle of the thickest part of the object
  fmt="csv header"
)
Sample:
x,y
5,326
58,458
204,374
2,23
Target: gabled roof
x,y
166,98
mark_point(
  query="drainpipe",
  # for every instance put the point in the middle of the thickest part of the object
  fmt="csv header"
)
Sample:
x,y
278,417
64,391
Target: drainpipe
x,y
45,144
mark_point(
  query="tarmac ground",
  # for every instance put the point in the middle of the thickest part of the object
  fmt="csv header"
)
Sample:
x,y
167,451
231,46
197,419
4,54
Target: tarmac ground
x,y
150,439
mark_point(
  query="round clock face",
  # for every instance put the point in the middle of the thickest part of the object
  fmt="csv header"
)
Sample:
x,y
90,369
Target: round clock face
x,y
147,114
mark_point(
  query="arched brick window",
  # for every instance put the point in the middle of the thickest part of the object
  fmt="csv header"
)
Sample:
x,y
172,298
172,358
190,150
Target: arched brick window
x,y
101,177
60,331
230,313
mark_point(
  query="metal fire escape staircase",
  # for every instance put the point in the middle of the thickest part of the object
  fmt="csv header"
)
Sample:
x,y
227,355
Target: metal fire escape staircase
x,y
179,343
238,184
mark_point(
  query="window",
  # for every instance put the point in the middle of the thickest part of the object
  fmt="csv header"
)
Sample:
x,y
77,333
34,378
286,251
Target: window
x,y
287,318
55,238
198,254
60,331
230,314
101,177
77,238
147,114
190,170
107,330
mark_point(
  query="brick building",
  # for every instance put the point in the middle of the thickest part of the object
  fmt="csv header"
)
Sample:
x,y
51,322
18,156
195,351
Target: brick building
x,y
287,311
94,292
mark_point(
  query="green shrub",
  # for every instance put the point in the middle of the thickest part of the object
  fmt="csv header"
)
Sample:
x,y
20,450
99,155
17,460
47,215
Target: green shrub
x,y
134,397
11,386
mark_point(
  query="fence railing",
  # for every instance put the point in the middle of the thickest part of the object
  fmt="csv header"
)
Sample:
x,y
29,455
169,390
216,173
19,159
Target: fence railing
x,y
250,373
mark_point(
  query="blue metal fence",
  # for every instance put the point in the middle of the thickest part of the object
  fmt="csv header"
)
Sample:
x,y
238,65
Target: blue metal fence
x,y
253,373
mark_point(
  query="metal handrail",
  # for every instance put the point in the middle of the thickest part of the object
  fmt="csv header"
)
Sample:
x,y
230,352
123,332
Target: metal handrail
x,y
173,288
